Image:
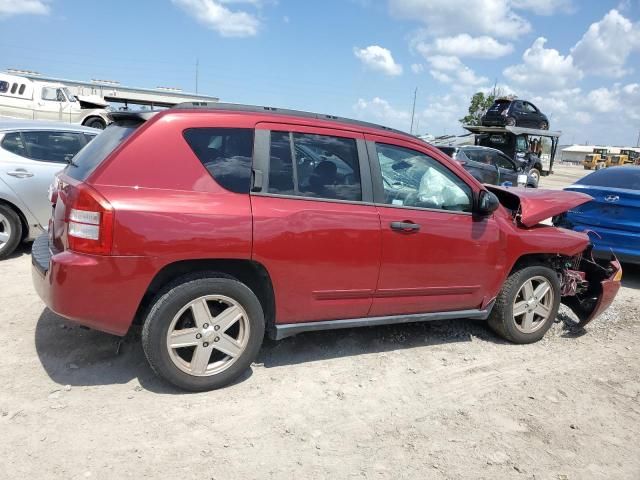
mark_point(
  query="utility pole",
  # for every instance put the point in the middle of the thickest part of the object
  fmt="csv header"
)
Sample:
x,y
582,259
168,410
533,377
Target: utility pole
x,y
638,141
197,68
413,110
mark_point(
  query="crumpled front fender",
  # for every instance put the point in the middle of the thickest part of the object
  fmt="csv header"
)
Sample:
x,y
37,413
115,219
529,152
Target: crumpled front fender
x,y
600,298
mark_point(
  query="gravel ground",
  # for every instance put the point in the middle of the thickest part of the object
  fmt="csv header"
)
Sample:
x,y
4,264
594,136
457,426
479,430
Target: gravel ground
x,y
436,400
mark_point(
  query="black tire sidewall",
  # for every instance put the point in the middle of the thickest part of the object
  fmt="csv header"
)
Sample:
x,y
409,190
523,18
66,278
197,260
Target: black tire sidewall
x,y
168,304
96,121
16,231
509,322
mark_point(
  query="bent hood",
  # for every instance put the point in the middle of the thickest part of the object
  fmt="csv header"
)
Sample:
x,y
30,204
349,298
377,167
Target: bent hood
x,y
92,101
530,206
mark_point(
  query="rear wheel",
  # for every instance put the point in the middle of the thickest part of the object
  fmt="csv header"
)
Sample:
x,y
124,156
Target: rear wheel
x,y
203,332
544,125
96,122
511,121
527,304
10,231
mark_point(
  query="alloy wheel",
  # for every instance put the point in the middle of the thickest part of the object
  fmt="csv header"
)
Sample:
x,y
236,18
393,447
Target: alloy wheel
x,y
533,304
208,335
5,231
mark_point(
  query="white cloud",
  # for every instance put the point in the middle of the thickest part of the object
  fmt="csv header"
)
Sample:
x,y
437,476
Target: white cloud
x,y
464,45
24,7
448,69
544,68
219,18
605,47
417,68
379,59
446,17
379,110
543,7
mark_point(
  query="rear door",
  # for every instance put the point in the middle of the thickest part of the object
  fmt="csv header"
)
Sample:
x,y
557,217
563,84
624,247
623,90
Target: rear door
x,y
436,256
315,227
30,161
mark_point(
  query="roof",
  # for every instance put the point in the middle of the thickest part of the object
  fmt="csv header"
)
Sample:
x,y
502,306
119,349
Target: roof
x,y
16,124
248,109
515,130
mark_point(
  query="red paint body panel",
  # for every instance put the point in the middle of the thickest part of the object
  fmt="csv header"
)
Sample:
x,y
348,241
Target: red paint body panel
x,y
323,257
537,204
327,260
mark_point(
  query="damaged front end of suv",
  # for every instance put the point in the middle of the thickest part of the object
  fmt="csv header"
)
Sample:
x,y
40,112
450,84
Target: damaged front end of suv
x,y
588,285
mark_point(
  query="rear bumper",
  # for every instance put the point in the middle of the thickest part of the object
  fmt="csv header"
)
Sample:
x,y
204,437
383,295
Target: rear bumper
x,y
103,293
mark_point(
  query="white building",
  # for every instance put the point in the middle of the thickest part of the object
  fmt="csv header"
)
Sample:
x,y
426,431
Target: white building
x,y
576,153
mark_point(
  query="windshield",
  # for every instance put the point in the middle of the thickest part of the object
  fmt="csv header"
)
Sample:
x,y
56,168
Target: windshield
x,y
69,95
93,154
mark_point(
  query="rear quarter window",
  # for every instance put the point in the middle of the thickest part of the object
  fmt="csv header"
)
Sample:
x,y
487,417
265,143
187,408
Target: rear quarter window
x,y
226,153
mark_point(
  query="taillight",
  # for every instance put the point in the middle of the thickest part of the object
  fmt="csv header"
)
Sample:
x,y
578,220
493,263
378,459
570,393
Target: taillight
x,y
90,222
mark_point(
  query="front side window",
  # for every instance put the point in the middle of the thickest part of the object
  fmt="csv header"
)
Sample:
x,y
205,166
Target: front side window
x,y
530,108
504,162
49,94
413,179
12,142
309,165
226,153
70,96
59,147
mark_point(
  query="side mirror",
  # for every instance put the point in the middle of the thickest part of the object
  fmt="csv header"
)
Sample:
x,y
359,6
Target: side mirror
x,y
487,203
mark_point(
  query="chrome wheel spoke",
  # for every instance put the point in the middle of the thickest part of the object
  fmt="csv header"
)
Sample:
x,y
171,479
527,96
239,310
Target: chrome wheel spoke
x,y
543,310
200,359
527,290
4,237
201,314
541,290
227,318
183,338
527,321
519,308
228,346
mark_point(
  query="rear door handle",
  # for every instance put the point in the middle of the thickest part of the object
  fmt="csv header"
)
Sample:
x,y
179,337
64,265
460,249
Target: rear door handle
x,y
406,226
20,173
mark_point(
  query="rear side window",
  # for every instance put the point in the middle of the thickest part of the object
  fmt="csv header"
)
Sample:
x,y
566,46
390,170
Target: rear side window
x,y
627,178
51,146
317,166
97,151
12,142
226,153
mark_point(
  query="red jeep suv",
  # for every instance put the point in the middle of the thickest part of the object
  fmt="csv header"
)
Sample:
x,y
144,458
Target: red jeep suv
x,y
211,224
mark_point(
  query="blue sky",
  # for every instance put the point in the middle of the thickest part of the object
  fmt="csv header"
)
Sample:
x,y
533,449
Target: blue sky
x,y
577,60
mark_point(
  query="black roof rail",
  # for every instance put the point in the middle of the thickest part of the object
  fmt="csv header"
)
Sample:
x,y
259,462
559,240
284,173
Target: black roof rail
x,y
237,107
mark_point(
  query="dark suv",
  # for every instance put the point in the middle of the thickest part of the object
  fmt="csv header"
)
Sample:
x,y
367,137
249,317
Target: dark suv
x,y
491,166
211,225
515,113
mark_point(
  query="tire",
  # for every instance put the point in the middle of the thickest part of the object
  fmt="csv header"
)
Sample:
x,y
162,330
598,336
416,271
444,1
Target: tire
x,y
172,309
10,231
544,125
96,122
535,174
513,294
511,122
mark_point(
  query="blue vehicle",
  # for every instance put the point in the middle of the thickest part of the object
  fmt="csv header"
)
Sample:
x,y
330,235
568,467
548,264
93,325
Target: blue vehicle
x,y
612,218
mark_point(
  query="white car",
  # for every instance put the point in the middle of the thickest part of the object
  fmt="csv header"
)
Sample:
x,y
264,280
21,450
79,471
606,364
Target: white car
x,y
31,153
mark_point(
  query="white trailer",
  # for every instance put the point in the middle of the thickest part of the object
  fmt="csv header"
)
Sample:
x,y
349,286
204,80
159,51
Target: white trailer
x,y
29,99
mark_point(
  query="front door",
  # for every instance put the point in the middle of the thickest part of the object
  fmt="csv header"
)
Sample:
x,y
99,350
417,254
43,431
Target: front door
x,y
436,256
315,227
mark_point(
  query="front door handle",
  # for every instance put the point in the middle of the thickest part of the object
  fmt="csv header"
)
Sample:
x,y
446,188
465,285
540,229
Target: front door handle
x,y
20,173
406,226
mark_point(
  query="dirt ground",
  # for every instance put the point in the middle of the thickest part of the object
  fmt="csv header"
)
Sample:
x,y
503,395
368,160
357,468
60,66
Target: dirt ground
x,y
441,400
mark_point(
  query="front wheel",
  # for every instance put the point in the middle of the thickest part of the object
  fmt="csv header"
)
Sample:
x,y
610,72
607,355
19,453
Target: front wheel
x,y
544,125
534,174
96,122
527,304
203,332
